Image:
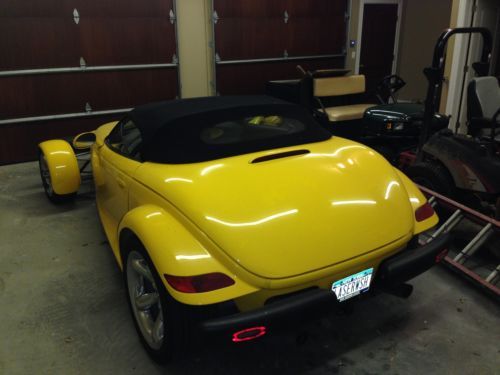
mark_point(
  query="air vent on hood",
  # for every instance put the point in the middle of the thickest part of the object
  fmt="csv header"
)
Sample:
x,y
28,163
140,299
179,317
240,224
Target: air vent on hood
x,y
279,155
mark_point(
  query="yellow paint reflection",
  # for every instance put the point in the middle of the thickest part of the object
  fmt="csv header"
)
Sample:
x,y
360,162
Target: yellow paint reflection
x,y
192,257
358,201
257,222
210,168
153,214
174,179
337,152
388,189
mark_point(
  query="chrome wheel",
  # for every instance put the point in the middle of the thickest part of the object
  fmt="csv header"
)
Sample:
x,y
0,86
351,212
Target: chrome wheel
x,y
45,173
145,299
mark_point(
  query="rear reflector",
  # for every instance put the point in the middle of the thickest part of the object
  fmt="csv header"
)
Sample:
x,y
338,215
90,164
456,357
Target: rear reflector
x,y
424,212
249,334
199,283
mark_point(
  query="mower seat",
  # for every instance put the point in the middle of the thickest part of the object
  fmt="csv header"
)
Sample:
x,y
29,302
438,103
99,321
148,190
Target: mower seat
x,y
340,86
483,102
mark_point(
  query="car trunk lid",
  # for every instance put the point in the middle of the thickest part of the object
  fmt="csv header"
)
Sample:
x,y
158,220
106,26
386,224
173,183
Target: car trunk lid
x,y
287,212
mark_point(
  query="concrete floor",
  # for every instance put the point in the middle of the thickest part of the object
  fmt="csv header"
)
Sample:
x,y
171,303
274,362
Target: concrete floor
x,y
63,311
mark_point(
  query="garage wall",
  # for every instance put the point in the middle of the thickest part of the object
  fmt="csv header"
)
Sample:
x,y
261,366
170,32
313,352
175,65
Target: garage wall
x,y
115,53
423,22
260,40
195,36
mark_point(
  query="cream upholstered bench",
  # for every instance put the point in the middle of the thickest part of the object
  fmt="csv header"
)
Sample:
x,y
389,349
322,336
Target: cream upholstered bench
x,y
341,86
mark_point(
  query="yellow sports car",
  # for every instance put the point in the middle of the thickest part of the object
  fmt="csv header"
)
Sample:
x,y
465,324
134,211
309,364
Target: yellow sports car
x,y
225,213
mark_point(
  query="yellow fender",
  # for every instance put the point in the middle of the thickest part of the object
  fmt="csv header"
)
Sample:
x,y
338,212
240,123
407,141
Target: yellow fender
x,y
63,166
417,199
175,251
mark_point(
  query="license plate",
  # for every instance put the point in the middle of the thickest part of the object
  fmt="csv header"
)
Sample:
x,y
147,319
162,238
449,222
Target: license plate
x,y
353,285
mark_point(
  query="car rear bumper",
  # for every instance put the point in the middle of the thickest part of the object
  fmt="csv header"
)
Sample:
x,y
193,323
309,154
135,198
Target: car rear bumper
x,y
392,272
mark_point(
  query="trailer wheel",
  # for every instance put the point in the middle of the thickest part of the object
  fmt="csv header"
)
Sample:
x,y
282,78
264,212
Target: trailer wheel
x,y
433,176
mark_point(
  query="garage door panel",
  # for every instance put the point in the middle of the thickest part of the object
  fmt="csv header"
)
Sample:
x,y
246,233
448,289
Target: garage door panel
x,y
53,43
86,8
250,38
30,8
252,78
39,95
316,8
278,30
19,142
43,34
249,9
121,8
315,36
122,41
38,43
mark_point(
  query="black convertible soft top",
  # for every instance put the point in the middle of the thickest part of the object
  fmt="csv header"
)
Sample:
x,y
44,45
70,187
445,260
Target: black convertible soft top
x,y
178,131
152,117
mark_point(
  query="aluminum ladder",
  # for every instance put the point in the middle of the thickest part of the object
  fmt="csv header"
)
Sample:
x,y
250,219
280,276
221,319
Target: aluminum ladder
x,y
460,261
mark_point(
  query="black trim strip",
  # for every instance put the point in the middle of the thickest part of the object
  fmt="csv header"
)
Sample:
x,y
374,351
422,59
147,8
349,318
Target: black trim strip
x,y
280,155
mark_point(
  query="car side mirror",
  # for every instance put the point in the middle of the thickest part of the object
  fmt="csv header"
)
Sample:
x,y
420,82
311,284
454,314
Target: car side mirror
x,y
84,141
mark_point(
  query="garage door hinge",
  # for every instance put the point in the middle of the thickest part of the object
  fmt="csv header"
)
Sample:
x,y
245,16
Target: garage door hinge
x,y
175,59
285,54
286,17
88,108
83,63
215,17
217,57
347,16
76,16
172,16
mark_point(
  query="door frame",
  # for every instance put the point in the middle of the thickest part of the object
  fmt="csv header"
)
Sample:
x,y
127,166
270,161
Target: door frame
x,y
362,4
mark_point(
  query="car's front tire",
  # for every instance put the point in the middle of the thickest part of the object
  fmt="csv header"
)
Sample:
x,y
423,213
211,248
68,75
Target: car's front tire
x,y
48,184
161,322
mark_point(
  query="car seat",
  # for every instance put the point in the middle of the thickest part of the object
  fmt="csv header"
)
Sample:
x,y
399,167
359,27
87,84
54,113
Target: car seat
x,y
483,106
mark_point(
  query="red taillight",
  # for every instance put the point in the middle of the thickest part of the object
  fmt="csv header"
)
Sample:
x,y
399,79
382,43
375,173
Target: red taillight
x,y
424,212
199,283
249,334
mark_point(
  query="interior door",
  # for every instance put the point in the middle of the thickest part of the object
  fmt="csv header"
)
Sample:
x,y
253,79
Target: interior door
x,y
377,42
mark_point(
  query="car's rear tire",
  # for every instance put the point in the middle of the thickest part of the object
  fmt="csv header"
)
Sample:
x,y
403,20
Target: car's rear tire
x,y
47,182
161,322
387,152
432,176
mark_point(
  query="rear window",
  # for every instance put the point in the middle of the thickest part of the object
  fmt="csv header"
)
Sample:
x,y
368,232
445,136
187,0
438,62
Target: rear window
x,y
217,135
250,129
